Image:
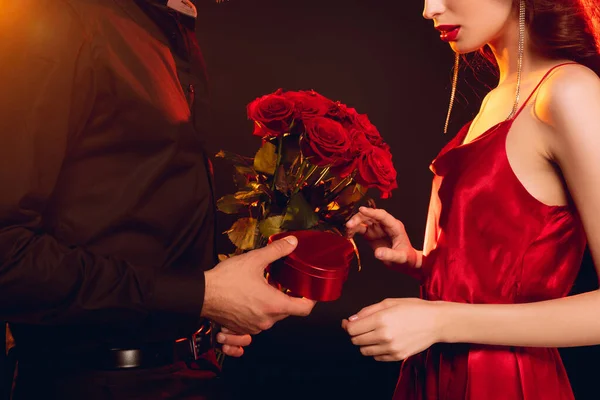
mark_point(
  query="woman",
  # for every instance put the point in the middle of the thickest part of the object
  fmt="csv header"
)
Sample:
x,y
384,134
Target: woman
x,y
513,201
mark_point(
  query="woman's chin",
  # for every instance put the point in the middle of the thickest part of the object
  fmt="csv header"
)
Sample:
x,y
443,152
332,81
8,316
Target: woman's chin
x,y
462,47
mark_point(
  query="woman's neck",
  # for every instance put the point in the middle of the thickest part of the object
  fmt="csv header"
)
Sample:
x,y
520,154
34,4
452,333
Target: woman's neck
x,y
506,51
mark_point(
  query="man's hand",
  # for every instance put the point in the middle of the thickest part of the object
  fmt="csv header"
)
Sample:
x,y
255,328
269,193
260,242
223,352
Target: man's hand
x,y
233,343
239,298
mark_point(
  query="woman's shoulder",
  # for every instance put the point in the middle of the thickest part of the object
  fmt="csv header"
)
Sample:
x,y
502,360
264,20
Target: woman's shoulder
x,y
570,77
568,90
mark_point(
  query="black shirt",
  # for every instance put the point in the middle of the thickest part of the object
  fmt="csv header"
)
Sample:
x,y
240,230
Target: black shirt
x,y
106,202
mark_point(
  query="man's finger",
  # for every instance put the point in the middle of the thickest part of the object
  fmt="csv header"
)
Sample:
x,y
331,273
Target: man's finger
x,y
299,307
233,351
276,250
234,339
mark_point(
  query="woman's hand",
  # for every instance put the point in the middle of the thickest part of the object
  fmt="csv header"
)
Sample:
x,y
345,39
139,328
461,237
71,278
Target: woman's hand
x,y
395,329
386,235
233,343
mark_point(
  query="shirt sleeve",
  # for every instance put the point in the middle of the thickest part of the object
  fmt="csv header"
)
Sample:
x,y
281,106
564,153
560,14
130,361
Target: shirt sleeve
x,y
46,96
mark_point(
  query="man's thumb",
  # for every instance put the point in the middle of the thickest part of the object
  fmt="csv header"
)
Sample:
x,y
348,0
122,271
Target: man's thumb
x,y
278,249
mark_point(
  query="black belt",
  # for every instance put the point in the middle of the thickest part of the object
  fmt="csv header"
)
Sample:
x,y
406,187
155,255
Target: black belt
x,y
150,355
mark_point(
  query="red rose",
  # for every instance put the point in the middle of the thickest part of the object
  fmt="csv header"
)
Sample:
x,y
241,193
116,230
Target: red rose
x,y
358,145
345,168
360,141
371,132
351,113
338,112
384,146
376,169
325,142
309,104
273,115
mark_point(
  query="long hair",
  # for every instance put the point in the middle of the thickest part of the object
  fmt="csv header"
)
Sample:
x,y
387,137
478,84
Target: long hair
x,y
562,29
566,29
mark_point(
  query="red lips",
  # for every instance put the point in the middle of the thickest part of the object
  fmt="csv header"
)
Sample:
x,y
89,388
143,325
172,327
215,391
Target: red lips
x,y
448,33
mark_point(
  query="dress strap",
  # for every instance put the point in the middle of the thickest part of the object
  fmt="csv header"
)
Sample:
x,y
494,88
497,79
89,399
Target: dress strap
x,y
538,86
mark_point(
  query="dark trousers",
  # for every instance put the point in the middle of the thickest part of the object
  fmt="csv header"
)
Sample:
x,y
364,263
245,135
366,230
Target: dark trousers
x,y
185,381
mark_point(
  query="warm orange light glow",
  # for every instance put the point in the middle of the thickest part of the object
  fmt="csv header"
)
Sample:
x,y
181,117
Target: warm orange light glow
x,y
592,9
333,206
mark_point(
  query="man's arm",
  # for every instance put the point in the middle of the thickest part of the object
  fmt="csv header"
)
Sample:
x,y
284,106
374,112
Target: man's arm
x,y
46,96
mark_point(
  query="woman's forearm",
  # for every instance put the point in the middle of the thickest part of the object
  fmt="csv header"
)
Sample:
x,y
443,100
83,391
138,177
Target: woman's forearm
x,y
566,322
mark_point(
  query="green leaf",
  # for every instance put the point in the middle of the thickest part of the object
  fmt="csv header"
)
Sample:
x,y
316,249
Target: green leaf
x,y
243,170
243,233
230,204
235,158
291,150
299,214
282,182
257,187
240,180
351,195
234,203
265,160
246,170
271,226
248,196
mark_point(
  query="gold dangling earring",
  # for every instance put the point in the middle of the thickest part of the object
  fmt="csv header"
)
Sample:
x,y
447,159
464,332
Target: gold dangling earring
x,y
453,93
522,29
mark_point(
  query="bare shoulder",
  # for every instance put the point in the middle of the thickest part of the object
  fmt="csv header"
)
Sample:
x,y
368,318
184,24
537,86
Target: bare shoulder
x,y
571,91
569,104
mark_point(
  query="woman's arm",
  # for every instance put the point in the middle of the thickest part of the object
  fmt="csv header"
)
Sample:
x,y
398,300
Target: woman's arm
x,y
568,322
395,329
570,103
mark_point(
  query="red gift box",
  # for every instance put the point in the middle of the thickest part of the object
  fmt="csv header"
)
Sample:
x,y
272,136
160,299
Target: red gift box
x,y
317,269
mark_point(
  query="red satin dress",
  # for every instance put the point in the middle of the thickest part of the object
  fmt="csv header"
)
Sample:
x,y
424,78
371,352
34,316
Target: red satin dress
x,y
489,241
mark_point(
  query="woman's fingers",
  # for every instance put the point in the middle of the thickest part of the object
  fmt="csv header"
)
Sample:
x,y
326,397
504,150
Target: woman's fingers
x,y
384,218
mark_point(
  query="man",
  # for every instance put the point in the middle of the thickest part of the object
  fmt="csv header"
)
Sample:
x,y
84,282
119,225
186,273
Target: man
x,y
107,210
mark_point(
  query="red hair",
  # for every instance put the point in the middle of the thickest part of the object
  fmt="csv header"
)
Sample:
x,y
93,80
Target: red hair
x,y
565,29
562,29
592,11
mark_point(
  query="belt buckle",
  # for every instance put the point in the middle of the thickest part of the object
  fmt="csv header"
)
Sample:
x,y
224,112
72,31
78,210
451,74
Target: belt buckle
x,y
202,340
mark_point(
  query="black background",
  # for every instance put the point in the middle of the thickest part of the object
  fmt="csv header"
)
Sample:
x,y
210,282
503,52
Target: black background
x,y
383,59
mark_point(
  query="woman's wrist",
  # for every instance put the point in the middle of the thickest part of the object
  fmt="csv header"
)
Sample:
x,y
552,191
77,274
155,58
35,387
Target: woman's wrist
x,y
419,258
446,322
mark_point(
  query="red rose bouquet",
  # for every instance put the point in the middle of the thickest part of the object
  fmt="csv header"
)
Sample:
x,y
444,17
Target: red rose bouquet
x,y
317,160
